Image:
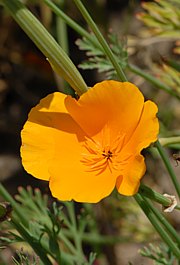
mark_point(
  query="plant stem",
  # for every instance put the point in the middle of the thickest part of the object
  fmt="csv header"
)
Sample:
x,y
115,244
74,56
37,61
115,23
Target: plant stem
x,y
58,59
32,241
152,218
67,243
174,146
62,38
155,196
152,80
70,21
101,40
169,140
88,36
168,167
163,221
95,238
74,229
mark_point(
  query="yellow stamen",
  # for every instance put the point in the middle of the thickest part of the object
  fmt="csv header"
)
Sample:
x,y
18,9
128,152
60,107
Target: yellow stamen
x,y
100,156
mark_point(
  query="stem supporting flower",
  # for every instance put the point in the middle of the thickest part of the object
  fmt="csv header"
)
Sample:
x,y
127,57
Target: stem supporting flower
x,y
58,59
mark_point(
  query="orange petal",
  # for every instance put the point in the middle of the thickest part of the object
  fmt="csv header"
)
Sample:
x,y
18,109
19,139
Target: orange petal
x,y
80,186
128,183
38,143
146,131
71,179
52,149
118,104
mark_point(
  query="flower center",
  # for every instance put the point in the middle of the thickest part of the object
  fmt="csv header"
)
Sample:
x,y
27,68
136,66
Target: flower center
x,y
108,155
99,156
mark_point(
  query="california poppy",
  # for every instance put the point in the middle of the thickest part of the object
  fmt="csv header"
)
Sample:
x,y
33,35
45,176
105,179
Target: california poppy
x,y
86,147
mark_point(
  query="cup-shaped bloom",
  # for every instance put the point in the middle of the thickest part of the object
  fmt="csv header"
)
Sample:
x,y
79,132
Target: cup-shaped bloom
x,y
87,147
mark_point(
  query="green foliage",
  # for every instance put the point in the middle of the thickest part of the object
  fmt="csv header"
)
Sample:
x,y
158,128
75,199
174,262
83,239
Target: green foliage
x,y
47,229
169,75
58,235
160,254
98,60
162,17
162,20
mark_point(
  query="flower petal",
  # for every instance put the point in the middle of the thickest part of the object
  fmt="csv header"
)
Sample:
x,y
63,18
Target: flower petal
x,y
146,131
71,179
38,145
115,118
52,147
118,104
128,183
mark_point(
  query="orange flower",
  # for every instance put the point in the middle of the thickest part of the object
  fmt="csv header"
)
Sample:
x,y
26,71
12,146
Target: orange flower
x,y
86,147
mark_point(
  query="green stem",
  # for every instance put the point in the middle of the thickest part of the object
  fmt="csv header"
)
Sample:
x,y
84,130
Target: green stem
x,y
95,238
155,196
62,38
67,243
70,21
101,40
59,60
169,140
168,167
32,241
4,193
174,146
163,221
152,80
75,252
74,229
162,232
70,208
67,259
85,34
62,35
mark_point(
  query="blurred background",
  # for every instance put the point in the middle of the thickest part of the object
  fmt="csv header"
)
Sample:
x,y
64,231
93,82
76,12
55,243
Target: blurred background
x,y
26,77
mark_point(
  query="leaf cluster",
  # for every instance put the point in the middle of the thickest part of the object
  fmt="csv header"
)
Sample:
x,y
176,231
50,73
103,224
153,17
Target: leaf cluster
x,y
97,58
162,17
169,74
160,254
55,232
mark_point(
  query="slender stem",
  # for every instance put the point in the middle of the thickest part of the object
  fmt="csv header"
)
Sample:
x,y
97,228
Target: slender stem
x,y
169,140
67,258
75,252
163,221
62,34
152,80
62,39
70,208
155,196
67,243
74,229
174,146
70,21
162,232
4,193
58,59
32,241
101,40
95,238
85,34
168,167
